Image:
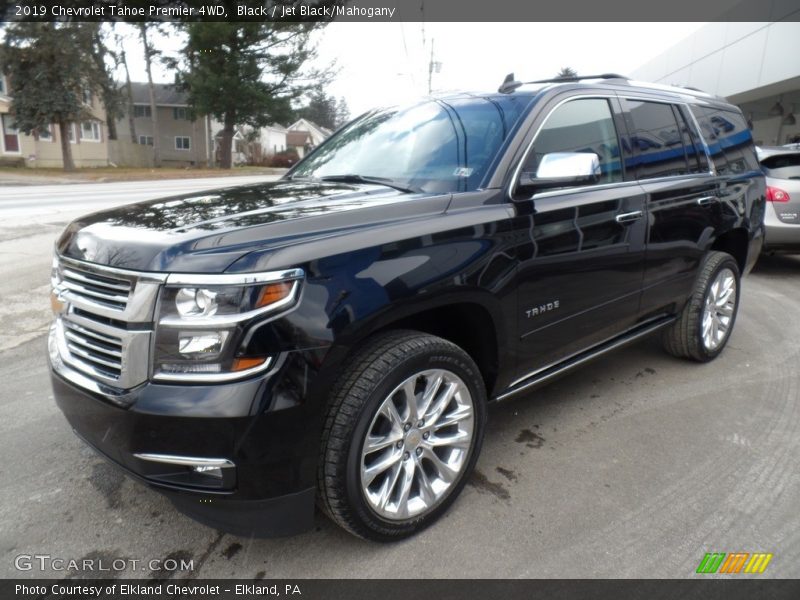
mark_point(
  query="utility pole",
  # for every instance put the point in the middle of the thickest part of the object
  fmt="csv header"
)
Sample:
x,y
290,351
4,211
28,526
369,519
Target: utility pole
x,y
433,67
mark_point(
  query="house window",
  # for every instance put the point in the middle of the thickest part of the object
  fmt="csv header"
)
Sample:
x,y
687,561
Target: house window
x,y
3,89
183,142
142,110
90,131
46,134
179,113
87,96
146,140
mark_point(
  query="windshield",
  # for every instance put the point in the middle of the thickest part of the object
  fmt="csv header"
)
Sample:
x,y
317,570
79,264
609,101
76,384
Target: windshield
x,y
435,146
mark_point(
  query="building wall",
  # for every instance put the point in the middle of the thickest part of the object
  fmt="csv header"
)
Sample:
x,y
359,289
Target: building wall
x,y
37,152
168,129
753,65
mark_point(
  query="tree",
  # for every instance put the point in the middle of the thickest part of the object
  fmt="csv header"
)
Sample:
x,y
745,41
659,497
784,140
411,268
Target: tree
x,y
325,110
128,90
110,93
247,73
567,72
149,54
49,66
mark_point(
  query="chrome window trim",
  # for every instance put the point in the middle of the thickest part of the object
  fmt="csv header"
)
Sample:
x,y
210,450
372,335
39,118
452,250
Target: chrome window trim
x,y
620,96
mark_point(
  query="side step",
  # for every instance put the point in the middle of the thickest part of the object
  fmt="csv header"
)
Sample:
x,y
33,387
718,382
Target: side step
x,y
542,376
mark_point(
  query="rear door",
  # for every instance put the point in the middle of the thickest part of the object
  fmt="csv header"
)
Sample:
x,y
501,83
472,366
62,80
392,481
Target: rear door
x,y
683,206
783,173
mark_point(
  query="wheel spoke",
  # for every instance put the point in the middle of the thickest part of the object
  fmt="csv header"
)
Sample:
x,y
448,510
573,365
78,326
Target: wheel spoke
x,y
460,439
459,414
388,487
406,482
409,391
435,413
378,467
426,489
377,442
446,472
432,386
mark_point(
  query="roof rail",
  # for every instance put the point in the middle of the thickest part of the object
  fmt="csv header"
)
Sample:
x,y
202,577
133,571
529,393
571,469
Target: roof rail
x,y
509,84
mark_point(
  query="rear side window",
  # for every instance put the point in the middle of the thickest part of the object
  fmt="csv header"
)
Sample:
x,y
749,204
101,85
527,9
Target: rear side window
x,y
698,161
658,141
782,166
728,138
583,125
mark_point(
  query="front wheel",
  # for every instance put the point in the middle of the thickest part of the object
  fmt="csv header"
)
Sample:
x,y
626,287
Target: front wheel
x,y
705,324
403,432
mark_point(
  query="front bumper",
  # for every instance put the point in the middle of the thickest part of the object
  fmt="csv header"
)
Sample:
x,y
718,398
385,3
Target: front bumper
x,y
271,445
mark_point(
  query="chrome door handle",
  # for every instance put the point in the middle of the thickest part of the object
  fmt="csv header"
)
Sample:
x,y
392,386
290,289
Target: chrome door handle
x,y
706,200
629,217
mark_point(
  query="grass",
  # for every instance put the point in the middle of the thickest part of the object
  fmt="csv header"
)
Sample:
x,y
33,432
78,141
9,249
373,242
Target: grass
x,y
132,173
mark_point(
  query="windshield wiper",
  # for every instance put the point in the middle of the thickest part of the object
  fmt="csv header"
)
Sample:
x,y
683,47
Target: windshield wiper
x,y
354,178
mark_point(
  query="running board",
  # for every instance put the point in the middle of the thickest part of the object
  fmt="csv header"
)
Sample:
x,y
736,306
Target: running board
x,y
544,375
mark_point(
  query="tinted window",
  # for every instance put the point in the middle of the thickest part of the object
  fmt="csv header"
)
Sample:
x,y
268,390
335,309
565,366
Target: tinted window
x,y
698,161
584,125
729,140
434,146
657,141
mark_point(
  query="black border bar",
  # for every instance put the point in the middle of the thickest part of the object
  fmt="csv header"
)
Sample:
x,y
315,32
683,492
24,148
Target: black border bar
x,y
401,10
700,588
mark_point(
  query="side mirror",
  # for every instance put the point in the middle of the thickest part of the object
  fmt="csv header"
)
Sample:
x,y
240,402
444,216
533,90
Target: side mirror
x,y
562,169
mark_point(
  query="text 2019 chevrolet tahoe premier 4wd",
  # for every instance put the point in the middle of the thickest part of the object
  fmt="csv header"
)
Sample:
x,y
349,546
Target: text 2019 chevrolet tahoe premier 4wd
x,y
335,336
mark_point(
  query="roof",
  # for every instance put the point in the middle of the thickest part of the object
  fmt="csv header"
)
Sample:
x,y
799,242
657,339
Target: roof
x,y
166,94
297,138
306,125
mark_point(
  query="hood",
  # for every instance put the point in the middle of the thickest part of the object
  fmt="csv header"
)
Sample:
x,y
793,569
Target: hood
x,y
207,231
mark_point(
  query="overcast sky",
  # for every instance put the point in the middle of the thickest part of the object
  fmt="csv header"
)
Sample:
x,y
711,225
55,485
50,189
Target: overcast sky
x,y
387,63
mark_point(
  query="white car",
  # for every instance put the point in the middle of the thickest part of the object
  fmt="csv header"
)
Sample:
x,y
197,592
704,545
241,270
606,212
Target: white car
x,y
782,218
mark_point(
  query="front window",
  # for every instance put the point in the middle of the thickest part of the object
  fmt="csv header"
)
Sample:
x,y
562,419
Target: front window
x,y
435,146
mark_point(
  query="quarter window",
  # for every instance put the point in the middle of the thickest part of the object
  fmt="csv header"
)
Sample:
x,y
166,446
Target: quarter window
x,y
657,140
584,125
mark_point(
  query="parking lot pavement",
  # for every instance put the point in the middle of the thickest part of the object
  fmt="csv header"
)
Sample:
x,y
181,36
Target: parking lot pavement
x,y
635,466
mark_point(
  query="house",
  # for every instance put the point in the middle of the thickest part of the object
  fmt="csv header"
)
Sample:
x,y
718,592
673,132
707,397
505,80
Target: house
x,y
255,146
182,140
304,135
89,139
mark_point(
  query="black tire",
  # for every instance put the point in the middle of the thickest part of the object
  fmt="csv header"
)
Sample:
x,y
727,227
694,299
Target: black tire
x,y
684,338
368,378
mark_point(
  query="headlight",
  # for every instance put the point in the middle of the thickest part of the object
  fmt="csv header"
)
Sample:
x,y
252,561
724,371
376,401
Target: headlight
x,y
203,320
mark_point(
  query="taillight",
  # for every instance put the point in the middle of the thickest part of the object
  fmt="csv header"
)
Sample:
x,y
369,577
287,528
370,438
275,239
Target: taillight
x,y
776,195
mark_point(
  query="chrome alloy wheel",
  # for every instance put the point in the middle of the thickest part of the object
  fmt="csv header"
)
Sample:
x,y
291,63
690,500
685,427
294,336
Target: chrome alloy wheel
x,y
417,444
718,311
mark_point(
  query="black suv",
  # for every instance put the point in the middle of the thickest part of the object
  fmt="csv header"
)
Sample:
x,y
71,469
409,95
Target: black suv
x,y
335,336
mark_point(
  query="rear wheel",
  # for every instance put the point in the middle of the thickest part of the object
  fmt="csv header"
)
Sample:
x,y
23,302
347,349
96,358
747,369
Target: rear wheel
x,y
402,434
706,322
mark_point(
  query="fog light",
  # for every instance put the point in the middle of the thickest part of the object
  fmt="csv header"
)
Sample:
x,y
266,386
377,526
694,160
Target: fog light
x,y
209,470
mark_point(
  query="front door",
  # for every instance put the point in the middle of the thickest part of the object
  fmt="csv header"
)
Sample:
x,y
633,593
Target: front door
x,y
10,134
581,268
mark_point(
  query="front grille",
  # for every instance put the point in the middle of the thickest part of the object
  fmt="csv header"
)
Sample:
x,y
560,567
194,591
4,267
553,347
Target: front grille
x,y
98,351
104,326
108,291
